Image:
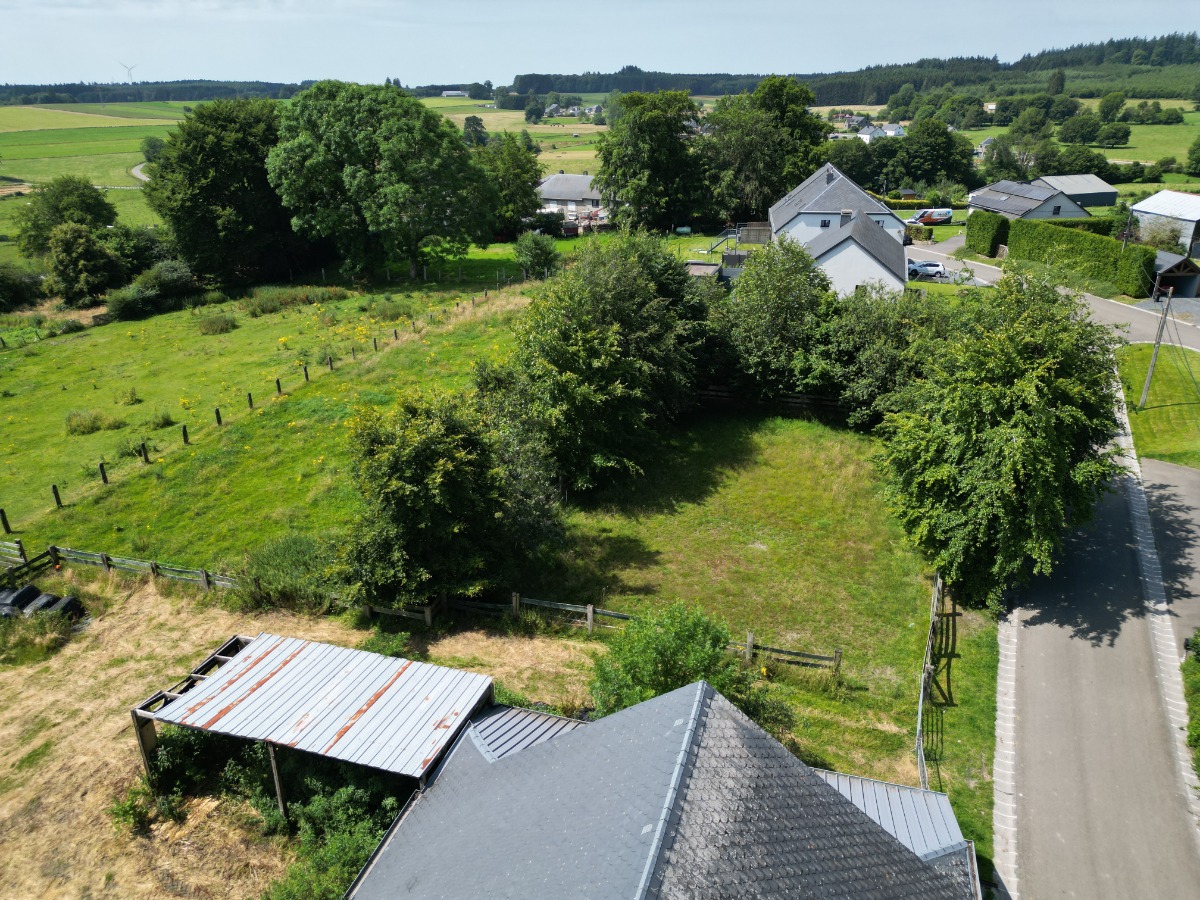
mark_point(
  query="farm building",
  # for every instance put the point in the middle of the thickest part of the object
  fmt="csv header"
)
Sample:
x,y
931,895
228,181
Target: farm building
x,y
382,712
1021,200
569,194
858,252
455,94
1174,208
818,203
679,796
1086,190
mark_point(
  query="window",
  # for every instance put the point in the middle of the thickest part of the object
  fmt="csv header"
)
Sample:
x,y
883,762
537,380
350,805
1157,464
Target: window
x,y
824,223
1057,210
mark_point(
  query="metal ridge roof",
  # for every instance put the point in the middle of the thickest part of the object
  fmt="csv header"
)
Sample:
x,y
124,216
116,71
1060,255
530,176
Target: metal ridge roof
x,y
378,711
1173,204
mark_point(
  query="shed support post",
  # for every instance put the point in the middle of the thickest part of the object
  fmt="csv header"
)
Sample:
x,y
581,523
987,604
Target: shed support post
x,y
591,617
278,781
147,736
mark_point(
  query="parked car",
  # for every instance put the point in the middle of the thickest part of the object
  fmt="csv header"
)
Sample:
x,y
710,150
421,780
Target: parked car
x,y
925,267
932,217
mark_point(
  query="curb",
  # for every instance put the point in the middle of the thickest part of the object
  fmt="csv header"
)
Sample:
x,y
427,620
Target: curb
x,y
1004,762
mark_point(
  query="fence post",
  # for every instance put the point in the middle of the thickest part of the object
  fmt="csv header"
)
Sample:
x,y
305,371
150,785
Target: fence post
x,y
395,334
306,373
749,647
375,341
591,613
57,498
104,562
205,583
153,569
516,601
250,399
185,436
278,388
218,412
103,473
145,454
330,361
53,551
837,661
20,549
4,522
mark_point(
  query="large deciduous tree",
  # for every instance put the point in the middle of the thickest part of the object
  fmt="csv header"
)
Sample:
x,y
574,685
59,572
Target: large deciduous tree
x,y
65,199
648,171
210,185
931,153
1003,444
513,174
385,178
81,267
745,158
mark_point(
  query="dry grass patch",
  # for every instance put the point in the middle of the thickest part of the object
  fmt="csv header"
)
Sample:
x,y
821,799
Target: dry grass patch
x,y
548,669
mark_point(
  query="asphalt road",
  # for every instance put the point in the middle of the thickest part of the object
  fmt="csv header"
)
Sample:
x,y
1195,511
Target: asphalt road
x,y
1101,811
1173,493
1142,324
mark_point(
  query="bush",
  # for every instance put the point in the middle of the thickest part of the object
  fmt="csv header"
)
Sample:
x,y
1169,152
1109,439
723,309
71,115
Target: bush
x,y
549,223
67,326
161,418
167,279
919,232
89,421
130,303
1091,255
18,287
216,323
986,231
537,254
291,572
208,298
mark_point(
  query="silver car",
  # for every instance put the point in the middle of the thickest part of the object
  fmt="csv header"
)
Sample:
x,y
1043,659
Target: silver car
x,y
927,268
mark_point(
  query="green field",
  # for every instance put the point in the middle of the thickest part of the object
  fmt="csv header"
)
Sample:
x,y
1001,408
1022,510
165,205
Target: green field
x,y
1147,143
1169,427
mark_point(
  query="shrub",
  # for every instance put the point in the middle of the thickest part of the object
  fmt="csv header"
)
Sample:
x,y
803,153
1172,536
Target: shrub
x,y
67,326
89,421
208,298
391,310
283,297
131,446
161,418
18,287
130,303
169,278
216,323
256,306
986,231
292,572
537,254
127,397
919,232
133,810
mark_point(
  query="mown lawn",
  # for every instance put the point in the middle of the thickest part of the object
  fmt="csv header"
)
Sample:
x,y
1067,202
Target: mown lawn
x,y
1169,427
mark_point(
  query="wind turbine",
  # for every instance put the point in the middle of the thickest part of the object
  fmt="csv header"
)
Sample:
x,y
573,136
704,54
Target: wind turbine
x,y
128,70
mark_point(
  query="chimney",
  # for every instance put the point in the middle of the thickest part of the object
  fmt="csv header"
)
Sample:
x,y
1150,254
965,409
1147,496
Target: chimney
x,y
847,214
829,176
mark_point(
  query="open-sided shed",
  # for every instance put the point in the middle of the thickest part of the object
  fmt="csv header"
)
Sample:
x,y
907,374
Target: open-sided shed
x,y
387,713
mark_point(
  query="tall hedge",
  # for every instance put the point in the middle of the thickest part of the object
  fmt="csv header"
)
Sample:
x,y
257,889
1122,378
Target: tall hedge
x,y
1091,255
986,231
1101,225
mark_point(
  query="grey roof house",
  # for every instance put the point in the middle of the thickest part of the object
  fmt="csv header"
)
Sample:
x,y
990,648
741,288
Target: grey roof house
x,y
678,797
820,200
857,252
1086,190
569,194
1021,200
1180,210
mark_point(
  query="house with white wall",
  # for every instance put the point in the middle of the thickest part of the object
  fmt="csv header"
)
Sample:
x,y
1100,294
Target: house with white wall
x,y
821,202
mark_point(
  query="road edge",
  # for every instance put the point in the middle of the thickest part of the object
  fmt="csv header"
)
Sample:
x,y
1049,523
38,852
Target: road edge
x,y
1004,761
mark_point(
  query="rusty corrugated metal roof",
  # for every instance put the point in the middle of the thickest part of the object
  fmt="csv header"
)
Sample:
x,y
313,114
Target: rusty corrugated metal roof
x,y
378,711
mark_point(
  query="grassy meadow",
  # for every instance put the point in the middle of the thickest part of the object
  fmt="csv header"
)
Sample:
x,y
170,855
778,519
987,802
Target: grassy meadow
x,y
1169,427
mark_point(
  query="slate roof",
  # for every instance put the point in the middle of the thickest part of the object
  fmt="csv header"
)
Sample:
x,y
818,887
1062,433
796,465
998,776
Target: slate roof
x,y
827,190
502,730
678,797
568,187
1172,204
1164,261
865,232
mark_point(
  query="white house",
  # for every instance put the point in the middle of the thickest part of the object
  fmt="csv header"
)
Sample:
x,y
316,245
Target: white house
x,y
868,133
572,195
1020,200
858,253
826,199
894,131
1177,209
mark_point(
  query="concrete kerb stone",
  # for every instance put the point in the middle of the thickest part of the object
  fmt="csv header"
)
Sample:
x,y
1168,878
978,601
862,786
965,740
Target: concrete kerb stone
x,y
1004,762
1162,636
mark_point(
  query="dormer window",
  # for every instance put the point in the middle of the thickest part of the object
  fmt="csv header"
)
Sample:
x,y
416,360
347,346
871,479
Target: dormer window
x,y
824,223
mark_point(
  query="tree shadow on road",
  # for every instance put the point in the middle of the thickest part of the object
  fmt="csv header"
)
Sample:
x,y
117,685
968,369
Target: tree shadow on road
x,y
1095,588
1176,521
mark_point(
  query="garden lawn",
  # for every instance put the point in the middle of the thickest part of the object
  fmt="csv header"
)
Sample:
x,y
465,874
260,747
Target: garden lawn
x,y
1169,427
277,468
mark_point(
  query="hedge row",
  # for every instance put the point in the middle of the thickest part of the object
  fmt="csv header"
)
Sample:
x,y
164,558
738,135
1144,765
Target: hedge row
x,y
1102,225
1091,255
986,231
919,232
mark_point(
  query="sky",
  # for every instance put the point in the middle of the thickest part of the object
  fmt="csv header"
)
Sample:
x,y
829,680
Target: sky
x,y
459,41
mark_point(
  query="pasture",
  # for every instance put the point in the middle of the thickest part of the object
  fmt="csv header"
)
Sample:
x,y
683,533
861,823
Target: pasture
x,y
1169,427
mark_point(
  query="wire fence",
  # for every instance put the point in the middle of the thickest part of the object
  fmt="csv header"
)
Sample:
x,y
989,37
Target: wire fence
x,y
19,565
928,669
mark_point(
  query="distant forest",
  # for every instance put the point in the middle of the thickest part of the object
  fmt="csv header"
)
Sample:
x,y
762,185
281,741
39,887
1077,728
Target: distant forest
x,y
1141,67
1159,67
142,91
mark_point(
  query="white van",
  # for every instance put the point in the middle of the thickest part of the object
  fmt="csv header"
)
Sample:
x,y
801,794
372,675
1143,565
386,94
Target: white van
x,y
932,217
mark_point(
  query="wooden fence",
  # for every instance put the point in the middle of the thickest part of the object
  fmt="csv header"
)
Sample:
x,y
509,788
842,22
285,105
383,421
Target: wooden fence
x,y
585,616
939,647
18,565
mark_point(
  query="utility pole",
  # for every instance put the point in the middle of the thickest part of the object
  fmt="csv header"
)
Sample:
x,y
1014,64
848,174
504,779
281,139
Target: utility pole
x,y
1162,323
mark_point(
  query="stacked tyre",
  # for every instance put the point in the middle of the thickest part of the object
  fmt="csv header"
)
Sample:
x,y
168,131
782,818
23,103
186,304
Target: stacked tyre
x,y
28,600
